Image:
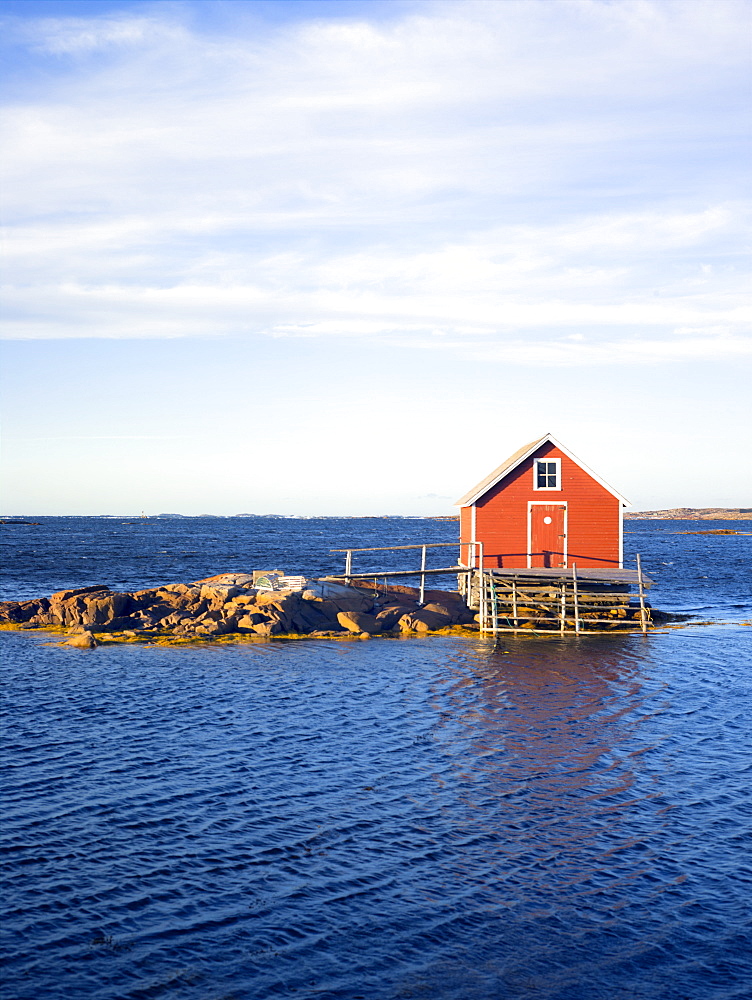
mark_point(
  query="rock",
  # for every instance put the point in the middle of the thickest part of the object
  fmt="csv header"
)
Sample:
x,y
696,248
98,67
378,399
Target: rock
x,y
228,603
63,595
68,607
388,617
326,608
284,598
102,608
343,598
153,616
267,628
67,612
120,624
523,612
278,606
176,618
196,609
307,618
217,595
358,621
451,614
178,598
144,597
422,621
209,627
15,612
356,603
82,640
230,622
247,623
247,597
466,617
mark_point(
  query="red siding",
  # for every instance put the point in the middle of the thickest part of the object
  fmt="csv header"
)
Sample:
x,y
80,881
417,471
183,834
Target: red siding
x,y
501,519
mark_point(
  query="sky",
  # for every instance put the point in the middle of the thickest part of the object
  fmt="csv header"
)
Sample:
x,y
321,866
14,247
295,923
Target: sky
x,y
307,257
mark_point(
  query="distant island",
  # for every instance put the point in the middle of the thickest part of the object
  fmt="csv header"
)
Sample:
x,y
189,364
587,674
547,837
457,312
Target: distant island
x,y
694,514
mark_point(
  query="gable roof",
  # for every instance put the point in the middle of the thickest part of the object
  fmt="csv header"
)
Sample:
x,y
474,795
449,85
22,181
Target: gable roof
x,y
480,490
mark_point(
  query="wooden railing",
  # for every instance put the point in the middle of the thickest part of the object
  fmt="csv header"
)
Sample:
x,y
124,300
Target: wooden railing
x,y
422,572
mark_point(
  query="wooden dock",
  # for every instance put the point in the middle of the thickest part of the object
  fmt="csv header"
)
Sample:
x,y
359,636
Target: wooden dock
x,y
566,600
563,600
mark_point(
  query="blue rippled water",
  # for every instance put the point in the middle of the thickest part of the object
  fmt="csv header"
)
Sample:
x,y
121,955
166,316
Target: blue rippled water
x,y
405,818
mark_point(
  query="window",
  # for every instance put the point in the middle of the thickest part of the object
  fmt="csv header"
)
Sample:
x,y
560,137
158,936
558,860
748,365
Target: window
x,y
547,474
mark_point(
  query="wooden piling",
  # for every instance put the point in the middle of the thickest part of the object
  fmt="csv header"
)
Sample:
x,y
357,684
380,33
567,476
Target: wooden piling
x,y
494,605
483,602
641,588
576,599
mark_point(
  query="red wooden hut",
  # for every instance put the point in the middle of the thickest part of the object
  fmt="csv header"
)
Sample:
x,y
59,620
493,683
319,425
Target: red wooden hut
x,y
543,507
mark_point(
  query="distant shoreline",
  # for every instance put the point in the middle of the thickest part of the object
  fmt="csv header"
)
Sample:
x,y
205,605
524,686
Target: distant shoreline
x,y
693,514
674,514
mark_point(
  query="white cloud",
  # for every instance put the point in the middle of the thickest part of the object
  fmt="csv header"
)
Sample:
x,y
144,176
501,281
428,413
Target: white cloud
x,y
505,175
600,278
103,437
705,346
76,36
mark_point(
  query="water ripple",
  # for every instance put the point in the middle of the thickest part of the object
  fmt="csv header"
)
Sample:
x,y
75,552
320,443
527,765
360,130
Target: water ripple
x,y
470,825
441,818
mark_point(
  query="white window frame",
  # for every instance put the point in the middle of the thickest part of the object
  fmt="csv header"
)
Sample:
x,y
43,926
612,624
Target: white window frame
x,y
546,503
550,489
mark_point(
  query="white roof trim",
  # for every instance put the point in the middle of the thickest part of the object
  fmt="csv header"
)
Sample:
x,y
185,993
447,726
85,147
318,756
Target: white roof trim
x,y
472,497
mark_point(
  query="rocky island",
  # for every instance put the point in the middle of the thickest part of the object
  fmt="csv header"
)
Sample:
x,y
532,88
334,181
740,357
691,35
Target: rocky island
x,y
237,604
271,605
692,514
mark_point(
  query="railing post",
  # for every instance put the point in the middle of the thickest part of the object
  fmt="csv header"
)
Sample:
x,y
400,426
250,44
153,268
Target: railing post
x,y
494,605
422,576
576,599
463,579
348,566
643,612
482,589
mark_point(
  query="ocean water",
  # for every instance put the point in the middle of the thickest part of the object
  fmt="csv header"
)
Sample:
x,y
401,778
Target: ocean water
x,y
534,819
